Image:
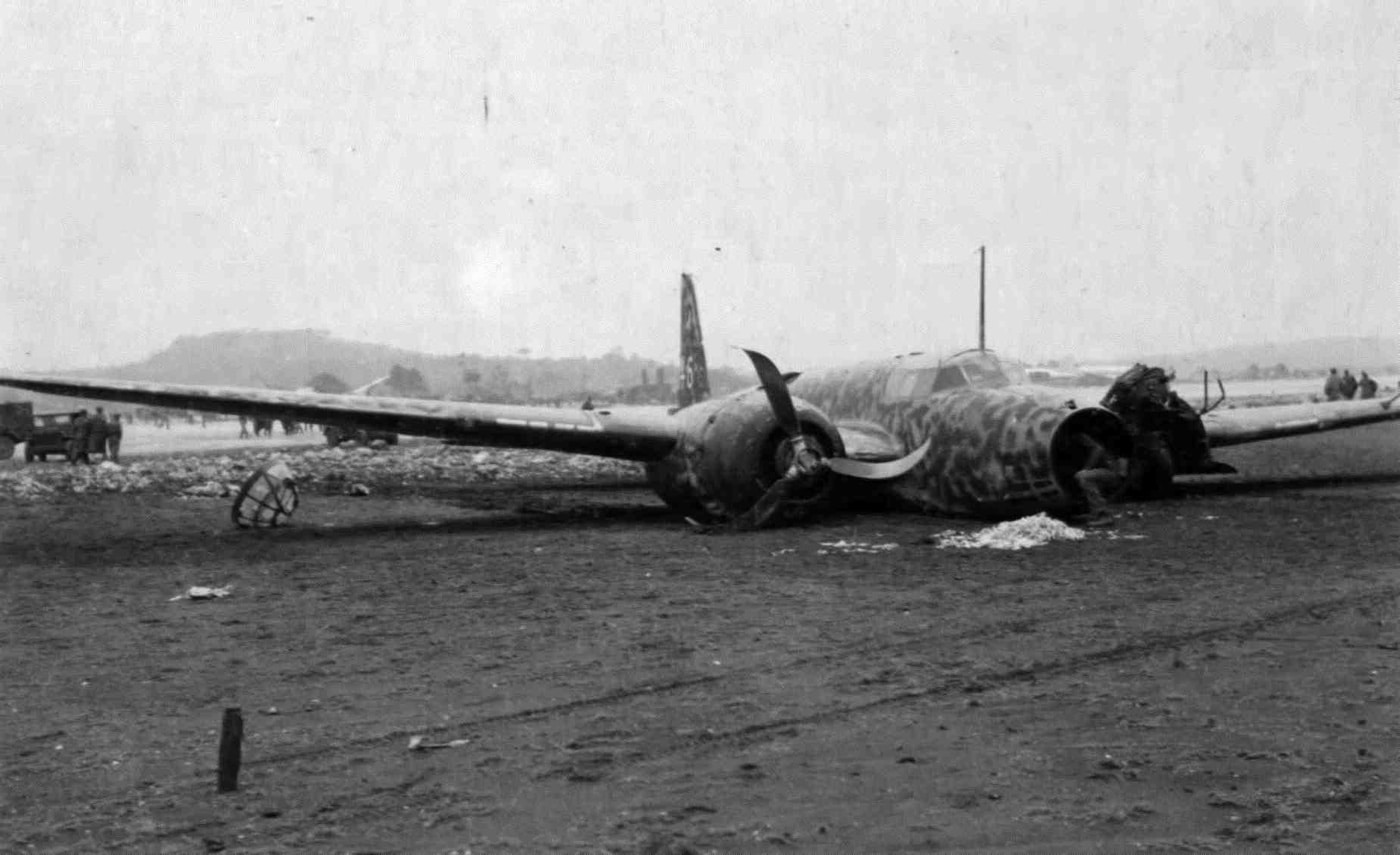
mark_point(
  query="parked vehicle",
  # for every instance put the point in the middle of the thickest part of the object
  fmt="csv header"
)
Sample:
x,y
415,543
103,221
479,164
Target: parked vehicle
x,y
16,424
336,435
50,436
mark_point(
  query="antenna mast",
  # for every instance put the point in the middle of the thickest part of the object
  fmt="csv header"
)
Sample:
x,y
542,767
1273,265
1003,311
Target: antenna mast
x,y
982,303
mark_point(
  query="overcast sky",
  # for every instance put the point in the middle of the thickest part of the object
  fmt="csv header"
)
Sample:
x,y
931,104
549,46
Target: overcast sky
x,y
489,177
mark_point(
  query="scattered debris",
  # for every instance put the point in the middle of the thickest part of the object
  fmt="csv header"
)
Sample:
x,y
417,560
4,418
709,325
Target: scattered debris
x,y
24,487
198,476
209,489
848,547
421,743
199,592
1024,533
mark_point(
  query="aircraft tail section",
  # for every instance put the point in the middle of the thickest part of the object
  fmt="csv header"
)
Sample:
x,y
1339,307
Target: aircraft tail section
x,y
695,377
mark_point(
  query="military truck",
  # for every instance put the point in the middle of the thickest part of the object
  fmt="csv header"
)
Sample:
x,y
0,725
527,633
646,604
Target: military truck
x,y
16,426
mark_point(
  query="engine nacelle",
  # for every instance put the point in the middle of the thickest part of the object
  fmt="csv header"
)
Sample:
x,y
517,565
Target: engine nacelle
x,y
1068,455
731,450
1002,453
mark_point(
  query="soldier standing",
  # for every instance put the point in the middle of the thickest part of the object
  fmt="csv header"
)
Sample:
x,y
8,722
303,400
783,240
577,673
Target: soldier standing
x,y
1367,386
1333,387
1348,385
114,438
97,438
78,440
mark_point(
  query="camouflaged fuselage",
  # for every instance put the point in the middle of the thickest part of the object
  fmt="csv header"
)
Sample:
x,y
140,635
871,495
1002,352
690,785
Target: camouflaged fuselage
x,y
994,450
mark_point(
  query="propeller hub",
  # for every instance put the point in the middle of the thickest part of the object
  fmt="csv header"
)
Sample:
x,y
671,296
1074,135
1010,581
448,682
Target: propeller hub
x,y
799,456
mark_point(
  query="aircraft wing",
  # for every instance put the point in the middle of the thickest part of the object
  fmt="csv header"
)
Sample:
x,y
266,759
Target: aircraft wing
x,y
629,434
1238,426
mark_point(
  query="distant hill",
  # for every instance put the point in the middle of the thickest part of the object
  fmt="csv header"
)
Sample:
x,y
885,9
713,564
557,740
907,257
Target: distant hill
x,y
1378,355
290,359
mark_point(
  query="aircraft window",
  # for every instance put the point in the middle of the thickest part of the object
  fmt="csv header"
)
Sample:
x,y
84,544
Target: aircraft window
x,y
949,377
900,386
985,375
978,370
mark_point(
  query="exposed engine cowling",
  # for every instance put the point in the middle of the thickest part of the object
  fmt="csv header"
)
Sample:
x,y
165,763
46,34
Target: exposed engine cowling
x,y
1069,454
732,450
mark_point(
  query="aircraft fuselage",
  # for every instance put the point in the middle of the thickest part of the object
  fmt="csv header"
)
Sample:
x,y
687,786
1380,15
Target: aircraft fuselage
x,y
997,449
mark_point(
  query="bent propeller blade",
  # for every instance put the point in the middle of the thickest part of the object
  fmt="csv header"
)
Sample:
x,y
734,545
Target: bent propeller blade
x,y
882,471
775,387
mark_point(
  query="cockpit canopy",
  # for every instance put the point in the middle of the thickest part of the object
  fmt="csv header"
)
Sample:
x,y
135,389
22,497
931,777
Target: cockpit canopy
x,y
920,375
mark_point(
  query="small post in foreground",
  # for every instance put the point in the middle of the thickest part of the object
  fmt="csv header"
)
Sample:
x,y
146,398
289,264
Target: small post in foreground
x,y
230,750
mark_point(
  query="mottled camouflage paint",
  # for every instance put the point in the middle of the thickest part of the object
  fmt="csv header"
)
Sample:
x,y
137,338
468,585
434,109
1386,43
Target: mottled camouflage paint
x,y
991,447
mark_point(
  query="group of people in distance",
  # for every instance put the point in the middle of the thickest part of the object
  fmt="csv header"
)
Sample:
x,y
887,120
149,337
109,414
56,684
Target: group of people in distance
x,y
95,435
1345,387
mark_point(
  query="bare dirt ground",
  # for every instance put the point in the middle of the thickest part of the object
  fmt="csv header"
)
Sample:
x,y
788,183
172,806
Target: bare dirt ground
x,y
1217,674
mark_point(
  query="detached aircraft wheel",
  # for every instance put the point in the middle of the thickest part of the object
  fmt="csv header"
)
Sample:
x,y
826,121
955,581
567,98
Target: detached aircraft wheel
x,y
268,498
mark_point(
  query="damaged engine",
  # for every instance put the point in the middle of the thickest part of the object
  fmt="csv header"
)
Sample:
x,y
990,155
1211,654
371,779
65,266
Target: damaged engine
x,y
1169,437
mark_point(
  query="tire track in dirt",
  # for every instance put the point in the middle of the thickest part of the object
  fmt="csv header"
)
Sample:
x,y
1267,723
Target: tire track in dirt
x,y
1134,648
757,732
645,689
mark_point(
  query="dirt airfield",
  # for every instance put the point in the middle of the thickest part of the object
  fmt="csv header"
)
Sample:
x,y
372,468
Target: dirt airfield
x,y
1217,673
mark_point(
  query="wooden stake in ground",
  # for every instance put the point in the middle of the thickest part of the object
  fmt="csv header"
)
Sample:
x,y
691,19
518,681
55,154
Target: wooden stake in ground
x,y
230,750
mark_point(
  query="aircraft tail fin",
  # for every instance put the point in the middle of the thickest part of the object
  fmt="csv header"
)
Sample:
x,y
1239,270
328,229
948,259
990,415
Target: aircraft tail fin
x,y
695,377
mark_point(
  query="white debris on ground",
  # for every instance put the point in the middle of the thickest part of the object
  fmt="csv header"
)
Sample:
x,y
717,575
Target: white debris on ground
x,y
200,592
1024,533
330,469
848,547
421,743
210,490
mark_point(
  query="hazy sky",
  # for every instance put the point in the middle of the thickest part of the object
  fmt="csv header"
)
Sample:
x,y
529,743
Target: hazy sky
x,y
489,177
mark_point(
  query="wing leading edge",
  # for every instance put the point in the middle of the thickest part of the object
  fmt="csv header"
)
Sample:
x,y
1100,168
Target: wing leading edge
x,y
629,434
1238,426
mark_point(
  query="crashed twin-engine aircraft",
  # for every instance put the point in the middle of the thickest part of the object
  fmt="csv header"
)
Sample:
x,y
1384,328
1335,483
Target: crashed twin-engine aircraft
x,y
964,435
